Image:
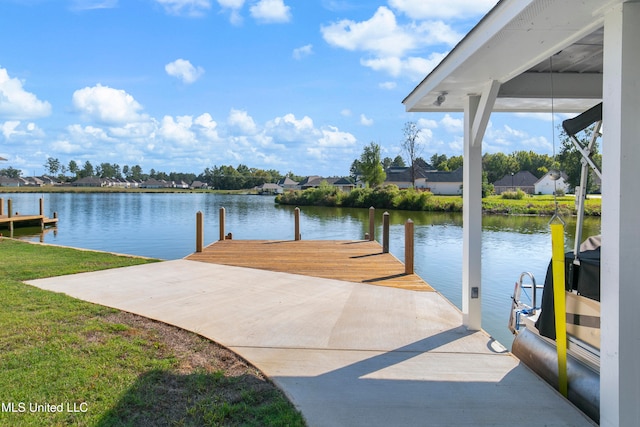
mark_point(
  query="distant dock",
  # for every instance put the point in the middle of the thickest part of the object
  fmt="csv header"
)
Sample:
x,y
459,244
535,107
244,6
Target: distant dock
x,y
10,219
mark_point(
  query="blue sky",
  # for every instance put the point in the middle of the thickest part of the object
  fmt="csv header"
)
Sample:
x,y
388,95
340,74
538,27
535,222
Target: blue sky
x,y
182,85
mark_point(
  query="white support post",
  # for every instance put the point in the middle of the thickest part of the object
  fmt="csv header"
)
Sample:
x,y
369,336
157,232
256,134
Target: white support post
x,y
620,317
477,112
472,221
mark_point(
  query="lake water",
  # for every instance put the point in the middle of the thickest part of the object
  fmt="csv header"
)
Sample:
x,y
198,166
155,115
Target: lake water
x,y
163,226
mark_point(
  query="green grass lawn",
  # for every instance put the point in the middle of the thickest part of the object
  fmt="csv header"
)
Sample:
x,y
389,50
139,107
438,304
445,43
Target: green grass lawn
x,y
102,367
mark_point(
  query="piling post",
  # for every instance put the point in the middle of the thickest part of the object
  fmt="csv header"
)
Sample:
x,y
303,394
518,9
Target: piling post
x,y
372,223
41,213
296,216
199,231
10,208
408,247
222,215
385,233
1,206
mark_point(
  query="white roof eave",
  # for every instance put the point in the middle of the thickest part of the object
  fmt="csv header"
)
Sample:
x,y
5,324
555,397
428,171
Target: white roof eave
x,y
513,37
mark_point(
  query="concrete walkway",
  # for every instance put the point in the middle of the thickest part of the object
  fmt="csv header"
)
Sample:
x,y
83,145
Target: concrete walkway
x,y
346,354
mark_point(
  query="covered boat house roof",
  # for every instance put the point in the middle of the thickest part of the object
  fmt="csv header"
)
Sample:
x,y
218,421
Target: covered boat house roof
x,y
558,56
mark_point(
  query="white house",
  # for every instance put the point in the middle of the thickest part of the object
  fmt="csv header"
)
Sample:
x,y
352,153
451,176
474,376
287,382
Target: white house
x,y
546,184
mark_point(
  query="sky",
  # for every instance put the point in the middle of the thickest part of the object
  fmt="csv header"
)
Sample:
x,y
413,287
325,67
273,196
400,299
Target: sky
x,y
182,85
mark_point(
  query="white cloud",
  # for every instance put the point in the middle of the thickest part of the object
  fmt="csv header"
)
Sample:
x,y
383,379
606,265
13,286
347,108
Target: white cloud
x,y
346,112
19,133
389,43
107,105
242,121
9,128
449,9
388,85
93,4
16,103
380,34
192,8
290,129
270,11
451,124
234,6
423,123
183,70
177,131
333,137
365,121
207,127
302,51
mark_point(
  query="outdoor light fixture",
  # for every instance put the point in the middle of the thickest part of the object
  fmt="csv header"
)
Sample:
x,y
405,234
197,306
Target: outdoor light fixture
x,y
440,99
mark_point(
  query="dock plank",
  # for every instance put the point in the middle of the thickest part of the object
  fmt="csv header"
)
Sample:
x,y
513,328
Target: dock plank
x,y
359,261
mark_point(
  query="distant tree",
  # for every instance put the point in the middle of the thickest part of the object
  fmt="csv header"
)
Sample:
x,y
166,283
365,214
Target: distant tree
x,y
372,170
537,164
386,163
108,170
355,169
87,170
10,172
73,168
136,173
498,165
52,166
455,162
570,160
411,146
439,161
398,161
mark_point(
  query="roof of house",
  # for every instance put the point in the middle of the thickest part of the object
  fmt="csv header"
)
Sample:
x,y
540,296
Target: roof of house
x,y
287,181
562,175
344,181
520,179
444,176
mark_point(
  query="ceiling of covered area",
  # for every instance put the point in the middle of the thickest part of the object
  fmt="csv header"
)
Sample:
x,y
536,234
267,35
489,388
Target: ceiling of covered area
x,y
546,54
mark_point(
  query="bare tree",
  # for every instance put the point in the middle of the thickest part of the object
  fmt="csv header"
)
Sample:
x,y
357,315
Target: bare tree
x,y
411,145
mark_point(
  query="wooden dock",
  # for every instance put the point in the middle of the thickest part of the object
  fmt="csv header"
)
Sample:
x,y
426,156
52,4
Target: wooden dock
x,y
10,220
26,220
359,261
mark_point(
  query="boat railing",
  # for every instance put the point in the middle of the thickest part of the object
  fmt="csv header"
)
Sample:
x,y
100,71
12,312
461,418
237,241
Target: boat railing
x,y
518,308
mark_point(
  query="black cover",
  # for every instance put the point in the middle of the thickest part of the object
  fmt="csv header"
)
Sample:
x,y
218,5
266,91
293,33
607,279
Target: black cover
x,y
583,121
584,278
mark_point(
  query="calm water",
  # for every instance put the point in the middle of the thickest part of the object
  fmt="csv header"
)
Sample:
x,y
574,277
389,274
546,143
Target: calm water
x,y
163,226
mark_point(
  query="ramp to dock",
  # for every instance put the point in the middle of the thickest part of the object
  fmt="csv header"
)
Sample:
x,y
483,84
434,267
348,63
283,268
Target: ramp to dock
x,y
345,353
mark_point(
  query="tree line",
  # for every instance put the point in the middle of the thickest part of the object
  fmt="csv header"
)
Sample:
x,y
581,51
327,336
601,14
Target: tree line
x,y
224,177
494,165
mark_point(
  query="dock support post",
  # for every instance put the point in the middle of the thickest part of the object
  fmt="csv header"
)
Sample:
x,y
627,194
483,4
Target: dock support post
x,y
1,206
372,223
408,247
41,213
222,214
385,233
296,231
199,231
10,208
